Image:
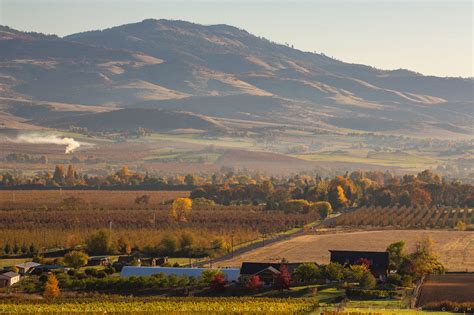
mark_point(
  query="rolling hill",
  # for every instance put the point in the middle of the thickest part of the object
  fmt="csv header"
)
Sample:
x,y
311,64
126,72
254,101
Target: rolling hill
x,y
222,71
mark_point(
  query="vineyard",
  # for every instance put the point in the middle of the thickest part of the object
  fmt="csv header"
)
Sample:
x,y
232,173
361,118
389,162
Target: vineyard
x,y
55,219
394,217
178,305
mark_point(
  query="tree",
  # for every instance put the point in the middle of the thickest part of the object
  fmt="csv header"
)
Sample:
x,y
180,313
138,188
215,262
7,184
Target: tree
x,y
254,283
422,261
169,245
307,272
51,288
124,246
368,281
180,208
396,253
207,275
357,271
461,226
337,198
283,279
76,259
334,271
71,175
186,243
59,174
218,282
99,243
190,180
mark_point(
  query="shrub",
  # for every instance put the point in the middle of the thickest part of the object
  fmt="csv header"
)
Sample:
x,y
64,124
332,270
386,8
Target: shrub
x,y
368,281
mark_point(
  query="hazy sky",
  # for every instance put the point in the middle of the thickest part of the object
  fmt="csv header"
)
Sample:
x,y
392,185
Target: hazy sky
x,y
431,37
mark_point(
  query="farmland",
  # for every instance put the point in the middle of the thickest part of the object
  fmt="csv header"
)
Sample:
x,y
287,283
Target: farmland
x,y
120,305
456,288
454,247
54,218
405,217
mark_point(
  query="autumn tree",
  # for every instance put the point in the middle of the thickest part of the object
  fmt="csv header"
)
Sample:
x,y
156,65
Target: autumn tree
x,y
59,174
123,246
76,259
254,283
423,260
51,288
180,208
70,175
218,282
283,279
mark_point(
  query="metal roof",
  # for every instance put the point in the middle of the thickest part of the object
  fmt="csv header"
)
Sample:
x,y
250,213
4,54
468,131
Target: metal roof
x,y
231,274
27,265
8,275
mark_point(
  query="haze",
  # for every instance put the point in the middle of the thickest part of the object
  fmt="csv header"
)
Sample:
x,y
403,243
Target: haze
x,y
430,37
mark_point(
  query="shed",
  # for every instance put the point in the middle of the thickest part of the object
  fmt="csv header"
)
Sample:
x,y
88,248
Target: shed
x,y
8,278
231,274
250,269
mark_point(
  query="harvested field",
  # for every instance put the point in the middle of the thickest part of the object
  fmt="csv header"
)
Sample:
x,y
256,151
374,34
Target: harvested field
x,y
34,199
457,288
455,248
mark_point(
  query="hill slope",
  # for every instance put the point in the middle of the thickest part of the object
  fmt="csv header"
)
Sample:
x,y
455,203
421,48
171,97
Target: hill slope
x,y
224,71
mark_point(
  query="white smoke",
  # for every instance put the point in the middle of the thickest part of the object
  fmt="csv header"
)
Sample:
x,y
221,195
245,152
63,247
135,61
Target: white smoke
x,y
70,143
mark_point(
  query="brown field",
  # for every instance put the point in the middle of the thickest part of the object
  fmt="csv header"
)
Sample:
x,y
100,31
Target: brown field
x,y
455,248
35,199
449,287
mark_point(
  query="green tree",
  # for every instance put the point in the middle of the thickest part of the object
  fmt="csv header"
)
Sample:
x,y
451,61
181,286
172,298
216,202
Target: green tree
x,y
186,243
307,272
324,208
397,254
334,271
76,259
100,243
168,245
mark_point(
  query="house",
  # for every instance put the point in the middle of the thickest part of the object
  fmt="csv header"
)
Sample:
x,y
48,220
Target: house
x,y
98,261
8,278
231,274
378,261
268,275
250,269
25,268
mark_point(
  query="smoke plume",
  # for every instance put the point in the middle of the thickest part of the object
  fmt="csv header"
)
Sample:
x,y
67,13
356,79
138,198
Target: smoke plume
x,y
70,143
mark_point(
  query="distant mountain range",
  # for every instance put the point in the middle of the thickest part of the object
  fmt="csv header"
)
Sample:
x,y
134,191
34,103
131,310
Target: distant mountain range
x,y
218,71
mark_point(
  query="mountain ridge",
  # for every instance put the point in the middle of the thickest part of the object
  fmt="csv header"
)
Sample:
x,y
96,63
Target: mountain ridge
x,y
177,64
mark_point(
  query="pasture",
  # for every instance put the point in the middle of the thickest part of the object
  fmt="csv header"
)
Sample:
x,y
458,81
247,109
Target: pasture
x,y
455,248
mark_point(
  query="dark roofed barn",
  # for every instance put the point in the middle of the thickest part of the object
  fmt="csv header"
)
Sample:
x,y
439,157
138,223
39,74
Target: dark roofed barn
x,y
378,261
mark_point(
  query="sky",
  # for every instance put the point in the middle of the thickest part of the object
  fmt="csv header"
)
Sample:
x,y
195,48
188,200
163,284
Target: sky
x,y
430,37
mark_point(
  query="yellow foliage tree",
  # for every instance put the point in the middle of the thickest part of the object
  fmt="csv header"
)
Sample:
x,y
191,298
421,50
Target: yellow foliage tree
x,y
341,196
51,289
180,208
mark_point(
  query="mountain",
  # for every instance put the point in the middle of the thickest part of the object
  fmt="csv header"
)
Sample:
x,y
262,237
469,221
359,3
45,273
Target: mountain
x,y
226,72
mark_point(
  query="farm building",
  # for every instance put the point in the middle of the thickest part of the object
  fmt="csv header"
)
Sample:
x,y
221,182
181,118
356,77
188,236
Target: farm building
x,y
47,268
98,261
8,278
250,269
378,261
25,268
231,274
